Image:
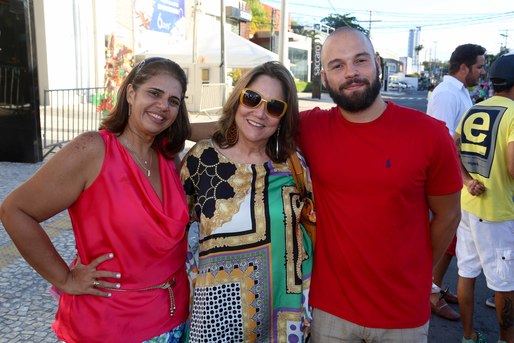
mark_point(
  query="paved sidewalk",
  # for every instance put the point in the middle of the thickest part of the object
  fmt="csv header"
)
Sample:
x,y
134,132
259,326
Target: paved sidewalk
x,y
26,308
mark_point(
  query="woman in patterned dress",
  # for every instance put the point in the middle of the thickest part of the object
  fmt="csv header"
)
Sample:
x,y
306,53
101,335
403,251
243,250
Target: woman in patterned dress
x,y
251,262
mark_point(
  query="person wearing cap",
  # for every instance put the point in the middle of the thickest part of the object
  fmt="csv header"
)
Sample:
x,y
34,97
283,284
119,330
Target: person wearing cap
x,y
485,138
448,102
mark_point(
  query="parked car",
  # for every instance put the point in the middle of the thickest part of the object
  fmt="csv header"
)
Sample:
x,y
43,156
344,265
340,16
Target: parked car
x,y
395,85
404,85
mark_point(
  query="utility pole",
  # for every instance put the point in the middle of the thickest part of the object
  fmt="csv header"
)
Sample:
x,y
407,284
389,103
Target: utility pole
x,y
435,64
95,46
222,33
195,33
369,27
272,29
283,46
370,21
506,36
223,65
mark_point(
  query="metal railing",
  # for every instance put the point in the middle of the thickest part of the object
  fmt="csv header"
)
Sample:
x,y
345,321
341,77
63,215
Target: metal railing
x,y
212,98
11,81
70,112
66,113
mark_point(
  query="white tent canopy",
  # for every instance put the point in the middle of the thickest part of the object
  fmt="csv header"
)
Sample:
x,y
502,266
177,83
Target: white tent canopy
x,y
239,52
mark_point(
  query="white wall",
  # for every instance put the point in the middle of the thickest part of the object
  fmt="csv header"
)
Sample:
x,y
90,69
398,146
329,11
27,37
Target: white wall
x,y
73,42
60,44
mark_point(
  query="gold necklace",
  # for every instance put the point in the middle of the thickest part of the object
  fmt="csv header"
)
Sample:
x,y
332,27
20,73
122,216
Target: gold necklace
x,y
145,164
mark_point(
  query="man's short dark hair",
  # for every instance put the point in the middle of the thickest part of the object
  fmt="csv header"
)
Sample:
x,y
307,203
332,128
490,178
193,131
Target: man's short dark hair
x,y
465,54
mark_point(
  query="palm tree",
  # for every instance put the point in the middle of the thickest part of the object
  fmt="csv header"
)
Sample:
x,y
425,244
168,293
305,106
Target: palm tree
x,y
417,49
337,20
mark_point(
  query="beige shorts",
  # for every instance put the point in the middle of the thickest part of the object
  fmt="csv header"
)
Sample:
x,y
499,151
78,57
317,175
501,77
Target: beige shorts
x,y
327,328
487,246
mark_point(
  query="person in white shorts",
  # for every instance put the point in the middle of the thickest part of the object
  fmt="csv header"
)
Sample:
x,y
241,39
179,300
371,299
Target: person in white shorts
x,y
485,237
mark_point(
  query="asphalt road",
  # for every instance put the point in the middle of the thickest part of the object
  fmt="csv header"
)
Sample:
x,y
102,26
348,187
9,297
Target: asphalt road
x,y
408,98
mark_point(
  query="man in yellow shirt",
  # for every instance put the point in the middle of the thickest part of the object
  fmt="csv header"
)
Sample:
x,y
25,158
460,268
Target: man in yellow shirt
x,y
485,237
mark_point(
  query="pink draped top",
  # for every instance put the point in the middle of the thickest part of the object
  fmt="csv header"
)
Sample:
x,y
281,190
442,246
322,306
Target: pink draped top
x,y
121,213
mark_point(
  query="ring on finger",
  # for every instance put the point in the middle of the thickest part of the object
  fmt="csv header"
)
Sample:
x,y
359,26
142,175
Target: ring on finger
x,y
96,283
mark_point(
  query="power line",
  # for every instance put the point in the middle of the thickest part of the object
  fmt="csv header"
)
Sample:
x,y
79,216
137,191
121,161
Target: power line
x,y
401,20
330,3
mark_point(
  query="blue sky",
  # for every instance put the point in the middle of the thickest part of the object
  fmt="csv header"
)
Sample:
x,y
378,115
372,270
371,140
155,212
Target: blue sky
x,y
444,24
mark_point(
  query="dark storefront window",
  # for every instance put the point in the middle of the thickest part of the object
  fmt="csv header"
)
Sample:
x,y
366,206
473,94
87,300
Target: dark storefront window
x,y
20,137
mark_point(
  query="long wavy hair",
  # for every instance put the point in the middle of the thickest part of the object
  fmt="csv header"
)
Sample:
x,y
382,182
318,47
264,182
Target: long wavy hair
x,y
288,123
171,141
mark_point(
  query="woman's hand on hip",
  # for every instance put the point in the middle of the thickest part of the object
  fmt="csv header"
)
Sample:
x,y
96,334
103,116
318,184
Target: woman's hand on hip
x,y
86,279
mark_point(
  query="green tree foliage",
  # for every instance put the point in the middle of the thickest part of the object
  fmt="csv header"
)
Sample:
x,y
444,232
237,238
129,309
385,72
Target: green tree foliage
x,y
490,58
260,18
297,27
301,30
337,20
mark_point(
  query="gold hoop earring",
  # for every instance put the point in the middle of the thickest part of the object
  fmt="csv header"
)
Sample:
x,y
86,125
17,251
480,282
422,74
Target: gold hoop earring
x,y
278,134
232,135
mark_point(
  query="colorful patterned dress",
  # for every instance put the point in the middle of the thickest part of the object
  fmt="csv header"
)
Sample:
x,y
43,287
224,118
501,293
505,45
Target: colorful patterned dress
x,y
253,261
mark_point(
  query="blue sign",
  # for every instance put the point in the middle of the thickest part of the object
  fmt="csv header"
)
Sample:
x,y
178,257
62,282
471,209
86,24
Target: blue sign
x,y
166,13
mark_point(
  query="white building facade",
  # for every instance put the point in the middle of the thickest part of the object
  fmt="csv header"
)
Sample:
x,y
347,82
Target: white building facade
x,y
80,41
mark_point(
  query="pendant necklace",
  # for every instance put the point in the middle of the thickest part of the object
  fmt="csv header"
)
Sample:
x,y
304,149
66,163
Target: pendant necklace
x,y
143,163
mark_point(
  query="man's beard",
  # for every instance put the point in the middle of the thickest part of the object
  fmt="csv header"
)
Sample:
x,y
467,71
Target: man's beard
x,y
358,100
470,80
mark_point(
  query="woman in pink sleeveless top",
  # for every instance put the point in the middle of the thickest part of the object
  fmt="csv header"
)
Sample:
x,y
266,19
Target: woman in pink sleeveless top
x,y
128,211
